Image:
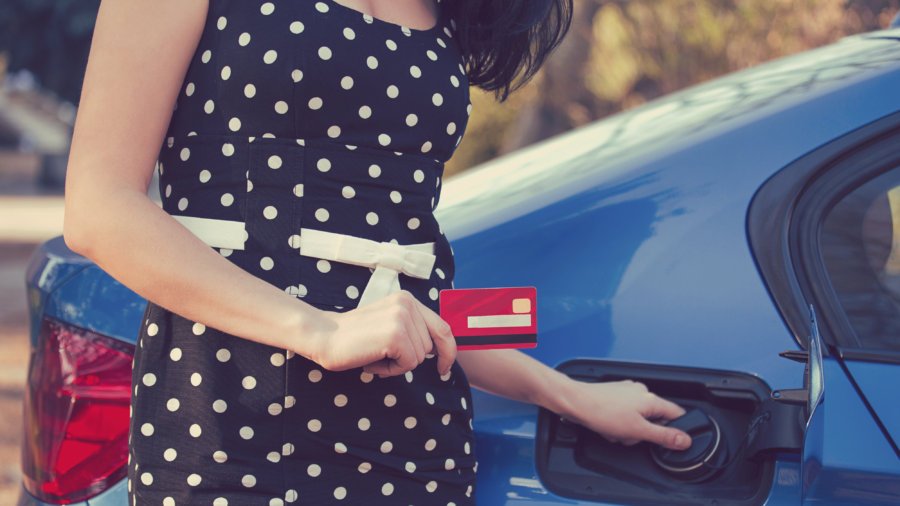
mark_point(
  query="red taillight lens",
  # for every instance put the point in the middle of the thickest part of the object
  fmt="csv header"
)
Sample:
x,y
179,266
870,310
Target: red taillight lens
x,y
77,399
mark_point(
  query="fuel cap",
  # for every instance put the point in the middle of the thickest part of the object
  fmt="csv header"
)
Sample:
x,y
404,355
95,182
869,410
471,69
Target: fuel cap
x,y
707,451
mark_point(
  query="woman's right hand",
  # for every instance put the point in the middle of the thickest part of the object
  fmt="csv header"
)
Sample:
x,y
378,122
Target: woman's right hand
x,y
387,337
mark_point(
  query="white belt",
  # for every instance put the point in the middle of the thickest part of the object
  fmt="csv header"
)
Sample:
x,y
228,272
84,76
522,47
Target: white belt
x,y
388,259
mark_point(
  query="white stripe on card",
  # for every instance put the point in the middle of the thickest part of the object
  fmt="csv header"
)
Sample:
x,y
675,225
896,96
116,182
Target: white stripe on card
x,y
499,320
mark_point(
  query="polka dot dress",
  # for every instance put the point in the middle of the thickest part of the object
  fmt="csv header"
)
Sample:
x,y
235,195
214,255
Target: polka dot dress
x,y
304,115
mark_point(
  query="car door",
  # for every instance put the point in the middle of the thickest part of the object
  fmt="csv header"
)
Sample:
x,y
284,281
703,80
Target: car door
x,y
826,231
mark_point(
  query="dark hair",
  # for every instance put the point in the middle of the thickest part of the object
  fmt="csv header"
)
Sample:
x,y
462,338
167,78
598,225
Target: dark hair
x,y
500,38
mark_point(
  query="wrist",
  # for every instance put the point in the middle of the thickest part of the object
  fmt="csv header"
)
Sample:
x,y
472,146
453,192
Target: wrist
x,y
559,394
307,331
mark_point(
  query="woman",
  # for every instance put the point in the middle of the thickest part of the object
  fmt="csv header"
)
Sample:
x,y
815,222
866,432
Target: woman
x,y
291,350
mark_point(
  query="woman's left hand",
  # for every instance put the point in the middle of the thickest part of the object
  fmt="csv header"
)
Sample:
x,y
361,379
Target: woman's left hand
x,y
621,412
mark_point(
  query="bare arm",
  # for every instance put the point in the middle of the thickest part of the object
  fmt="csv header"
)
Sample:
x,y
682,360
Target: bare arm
x,y
618,410
139,55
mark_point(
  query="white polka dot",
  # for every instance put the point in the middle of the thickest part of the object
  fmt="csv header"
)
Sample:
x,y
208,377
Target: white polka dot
x,y
322,214
246,432
273,457
223,355
149,379
146,478
437,99
433,293
219,406
334,131
340,493
153,328
277,359
173,404
228,149
287,448
198,328
449,464
430,444
267,8
248,480
467,448
244,39
348,192
363,424
266,263
340,447
281,107
340,400
439,272
275,409
324,52
205,175
323,164
454,81
323,265
170,454
462,401
313,470
411,119
451,128
182,203
220,501
372,62
366,377
221,22
392,91
194,479
410,467
196,379
249,382
384,139
409,422
365,112
431,55
374,171
431,486
147,429
413,223
321,7
346,82
387,488
315,103
371,218
364,467
298,189
349,33
352,292
426,146
270,56
386,447
226,72
195,430
296,75
274,162
206,56
270,212
418,175
314,425
297,27
390,44
408,375
415,71
289,401
227,199
175,354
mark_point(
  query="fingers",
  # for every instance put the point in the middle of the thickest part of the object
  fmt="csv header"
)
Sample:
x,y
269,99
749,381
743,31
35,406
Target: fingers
x,y
422,338
660,407
439,331
664,436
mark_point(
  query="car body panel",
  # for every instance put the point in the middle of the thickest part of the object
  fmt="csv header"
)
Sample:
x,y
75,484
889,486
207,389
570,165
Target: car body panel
x,y
846,458
646,219
879,382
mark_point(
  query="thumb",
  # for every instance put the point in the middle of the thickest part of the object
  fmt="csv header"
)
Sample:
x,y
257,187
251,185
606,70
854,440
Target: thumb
x,y
668,437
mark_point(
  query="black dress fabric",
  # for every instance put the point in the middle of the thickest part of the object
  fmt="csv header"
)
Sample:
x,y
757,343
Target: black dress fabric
x,y
299,115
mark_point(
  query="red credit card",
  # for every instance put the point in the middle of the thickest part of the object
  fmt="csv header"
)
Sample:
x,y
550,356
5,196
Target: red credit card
x,y
486,318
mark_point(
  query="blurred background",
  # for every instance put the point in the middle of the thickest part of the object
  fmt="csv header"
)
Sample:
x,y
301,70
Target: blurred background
x,y
617,55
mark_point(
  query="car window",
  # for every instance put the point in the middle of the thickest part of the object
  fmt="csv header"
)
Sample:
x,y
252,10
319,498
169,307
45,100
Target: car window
x,y
860,245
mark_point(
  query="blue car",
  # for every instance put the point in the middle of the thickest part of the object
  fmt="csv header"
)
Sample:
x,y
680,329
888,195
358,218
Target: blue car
x,y
735,246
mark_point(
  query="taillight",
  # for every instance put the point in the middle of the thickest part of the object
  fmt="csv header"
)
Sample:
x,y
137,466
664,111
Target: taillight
x,y
77,400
